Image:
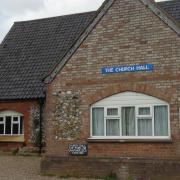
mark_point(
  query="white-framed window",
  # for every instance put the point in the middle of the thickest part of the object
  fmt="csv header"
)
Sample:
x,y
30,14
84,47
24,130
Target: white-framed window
x,y
130,115
11,123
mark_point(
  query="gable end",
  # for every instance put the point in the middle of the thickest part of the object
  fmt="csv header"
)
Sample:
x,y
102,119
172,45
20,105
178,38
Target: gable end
x,y
101,12
166,18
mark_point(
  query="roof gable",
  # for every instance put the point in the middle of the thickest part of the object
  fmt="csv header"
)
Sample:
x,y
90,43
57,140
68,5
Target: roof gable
x,y
173,24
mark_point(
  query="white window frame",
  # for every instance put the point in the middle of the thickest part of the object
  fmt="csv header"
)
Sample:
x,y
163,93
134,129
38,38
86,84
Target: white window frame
x,y
136,122
106,117
144,106
150,116
13,115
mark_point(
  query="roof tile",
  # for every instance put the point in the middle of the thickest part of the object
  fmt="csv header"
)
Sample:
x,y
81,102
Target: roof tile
x,y
32,48
172,7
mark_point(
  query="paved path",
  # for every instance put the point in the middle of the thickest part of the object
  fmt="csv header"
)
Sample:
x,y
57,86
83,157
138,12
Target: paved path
x,y
22,168
28,168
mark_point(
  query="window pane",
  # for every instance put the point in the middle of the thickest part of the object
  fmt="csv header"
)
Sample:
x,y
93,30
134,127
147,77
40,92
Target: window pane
x,y
98,121
21,125
1,128
112,111
144,111
113,128
161,121
128,121
8,125
1,119
144,127
15,128
15,119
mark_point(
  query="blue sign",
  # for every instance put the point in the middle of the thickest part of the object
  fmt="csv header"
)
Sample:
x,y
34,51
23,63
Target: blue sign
x,y
121,69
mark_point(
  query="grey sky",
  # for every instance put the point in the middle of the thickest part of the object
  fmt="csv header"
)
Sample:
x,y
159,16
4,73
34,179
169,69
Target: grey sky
x,y
19,10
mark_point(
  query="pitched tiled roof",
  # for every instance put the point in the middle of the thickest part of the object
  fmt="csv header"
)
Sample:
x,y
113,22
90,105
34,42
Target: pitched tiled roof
x,y
32,48
172,7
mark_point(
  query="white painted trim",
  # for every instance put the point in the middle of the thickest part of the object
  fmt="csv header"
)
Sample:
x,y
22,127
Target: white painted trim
x,y
153,127
169,125
11,114
134,98
105,133
131,137
136,121
91,122
151,116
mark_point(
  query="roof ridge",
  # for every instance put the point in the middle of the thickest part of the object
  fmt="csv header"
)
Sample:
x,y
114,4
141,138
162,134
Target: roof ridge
x,y
53,17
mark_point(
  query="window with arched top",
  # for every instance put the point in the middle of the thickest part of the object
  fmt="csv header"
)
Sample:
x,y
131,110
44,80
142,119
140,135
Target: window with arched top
x,y
130,115
11,123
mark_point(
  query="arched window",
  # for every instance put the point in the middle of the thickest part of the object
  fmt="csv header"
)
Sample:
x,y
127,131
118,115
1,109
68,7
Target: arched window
x,y
11,123
130,115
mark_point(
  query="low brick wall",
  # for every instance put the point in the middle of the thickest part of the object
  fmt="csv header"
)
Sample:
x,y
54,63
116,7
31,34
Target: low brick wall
x,y
10,146
123,168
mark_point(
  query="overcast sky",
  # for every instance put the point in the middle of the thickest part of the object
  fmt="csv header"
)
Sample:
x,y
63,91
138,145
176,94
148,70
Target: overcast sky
x,y
19,10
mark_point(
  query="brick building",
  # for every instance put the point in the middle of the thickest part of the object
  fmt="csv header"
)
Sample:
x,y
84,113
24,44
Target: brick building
x,y
119,117
28,52
113,94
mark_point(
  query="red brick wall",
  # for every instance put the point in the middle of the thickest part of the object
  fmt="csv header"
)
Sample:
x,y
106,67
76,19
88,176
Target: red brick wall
x,y
21,107
128,34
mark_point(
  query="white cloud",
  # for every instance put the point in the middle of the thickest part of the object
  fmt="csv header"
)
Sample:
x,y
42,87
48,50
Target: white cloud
x,y
20,6
60,7
20,10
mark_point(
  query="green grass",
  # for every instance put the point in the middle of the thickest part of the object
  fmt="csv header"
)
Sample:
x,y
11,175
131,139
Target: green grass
x,y
112,176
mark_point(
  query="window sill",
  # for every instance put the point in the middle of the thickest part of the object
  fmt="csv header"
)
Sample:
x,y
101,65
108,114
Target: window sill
x,y
130,140
12,138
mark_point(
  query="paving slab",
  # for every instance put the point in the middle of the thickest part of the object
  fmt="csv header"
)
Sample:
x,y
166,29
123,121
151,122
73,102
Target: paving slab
x,y
23,168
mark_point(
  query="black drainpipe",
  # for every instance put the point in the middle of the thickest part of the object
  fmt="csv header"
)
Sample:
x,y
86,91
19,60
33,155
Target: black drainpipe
x,y
41,103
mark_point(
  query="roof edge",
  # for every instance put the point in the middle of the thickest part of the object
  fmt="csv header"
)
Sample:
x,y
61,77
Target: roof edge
x,y
46,18
5,37
163,15
100,13
21,99
151,4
